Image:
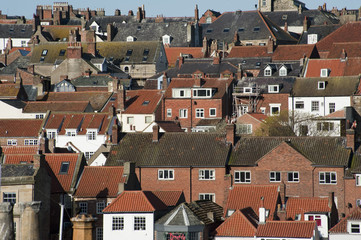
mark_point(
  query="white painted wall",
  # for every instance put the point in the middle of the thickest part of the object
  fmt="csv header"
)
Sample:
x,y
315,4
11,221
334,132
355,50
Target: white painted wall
x,y
16,42
99,161
8,111
233,238
323,229
344,236
80,142
128,232
138,123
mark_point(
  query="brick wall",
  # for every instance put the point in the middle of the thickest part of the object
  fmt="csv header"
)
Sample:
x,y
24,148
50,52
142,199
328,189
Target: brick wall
x,y
268,99
353,193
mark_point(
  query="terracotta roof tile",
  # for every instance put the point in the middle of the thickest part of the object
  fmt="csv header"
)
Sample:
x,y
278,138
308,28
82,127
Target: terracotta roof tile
x,y
169,198
174,52
142,101
15,127
286,229
336,67
9,90
135,201
250,196
43,106
100,182
353,49
237,225
294,52
341,227
19,149
18,158
248,51
306,205
338,114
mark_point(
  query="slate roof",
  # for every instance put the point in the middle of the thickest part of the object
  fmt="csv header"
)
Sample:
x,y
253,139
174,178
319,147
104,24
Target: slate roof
x,y
335,86
285,83
341,227
173,149
293,69
97,99
241,197
20,62
14,170
15,128
248,21
325,151
174,52
302,205
31,92
16,30
55,106
239,224
100,182
287,229
294,52
97,80
321,30
337,67
14,103
142,101
135,201
169,126
103,21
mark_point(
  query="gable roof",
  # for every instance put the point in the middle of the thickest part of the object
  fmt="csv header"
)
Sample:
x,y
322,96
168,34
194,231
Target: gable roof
x,y
320,30
241,197
287,229
302,205
169,126
142,101
15,170
44,106
336,67
173,149
294,52
135,201
59,32
352,49
174,52
15,127
16,30
19,149
100,182
10,90
341,227
248,52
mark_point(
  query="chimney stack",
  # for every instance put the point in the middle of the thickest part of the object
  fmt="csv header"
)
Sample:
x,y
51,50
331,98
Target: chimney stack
x,y
115,132
156,133
165,81
121,99
343,55
117,12
74,50
216,59
29,215
110,32
270,45
197,81
196,14
83,225
262,212
180,61
230,135
305,24
286,27
331,199
350,139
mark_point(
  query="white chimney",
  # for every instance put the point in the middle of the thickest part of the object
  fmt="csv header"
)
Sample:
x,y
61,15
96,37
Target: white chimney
x,y
262,212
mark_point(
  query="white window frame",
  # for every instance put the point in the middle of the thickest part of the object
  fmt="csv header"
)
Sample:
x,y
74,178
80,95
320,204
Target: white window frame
x,y
91,135
207,196
312,38
12,142
117,223
273,88
324,72
207,174
164,174
271,106
245,128
183,113
298,105
263,110
99,233
148,119
83,207
315,106
166,39
140,223
332,181
321,85
100,206
268,71
243,177
51,134
70,133
355,226
215,112
315,218
88,155
273,176
199,112
332,107
358,179
208,92
169,112
39,116
130,120
283,71
31,142
293,177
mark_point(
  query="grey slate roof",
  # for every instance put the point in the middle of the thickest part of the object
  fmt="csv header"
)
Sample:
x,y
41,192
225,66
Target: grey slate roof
x,y
293,69
20,62
250,63
325,151
286,83
173,149
321,30
103,21
335,86
23,170
31,91
16,30
96,81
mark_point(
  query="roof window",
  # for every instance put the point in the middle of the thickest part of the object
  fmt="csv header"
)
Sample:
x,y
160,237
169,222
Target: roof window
x,y
256,29
145,58
145,52
64,168
226,30
129,52
321,85
42,59
209,30
324,72
145,103
240,29
139,27
127,59
284,17
62,52
44,52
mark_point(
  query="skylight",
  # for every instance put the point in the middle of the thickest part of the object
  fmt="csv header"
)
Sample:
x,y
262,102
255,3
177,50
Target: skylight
x,y
146,52
240,29
129,52
64,168
44,52
256,29
145,103
62,52
226,30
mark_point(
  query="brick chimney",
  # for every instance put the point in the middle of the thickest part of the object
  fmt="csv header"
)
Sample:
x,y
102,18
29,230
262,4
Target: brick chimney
x,y
216,59
156,133
331,199
197,81
38,159
165,81
121,99
230,135
350,139
110,32
236,38
43,146
205,47
343,55
130,13
115,132
180,61
305,24
282,192
83,225
87,73
117,12
270,45
196,14
286,27
239,73
74,50
139,14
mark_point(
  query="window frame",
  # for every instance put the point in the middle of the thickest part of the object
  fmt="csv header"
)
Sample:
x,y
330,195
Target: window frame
x,y
99,231
13,142
148,119
273,88
332,107
207,196
315,106
183,113
83,206
299,104
247,127
130,120
30,142
324,180
293,178
215,112
355,226
117,223
321,85
91,135
139,222
358,179
275,176
316,218
166,177
199,112
202,174
66,165
9,197
169,112
100,206
247,179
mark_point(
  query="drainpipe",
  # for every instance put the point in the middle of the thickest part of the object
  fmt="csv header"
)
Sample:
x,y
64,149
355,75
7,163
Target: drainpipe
x,y
190,183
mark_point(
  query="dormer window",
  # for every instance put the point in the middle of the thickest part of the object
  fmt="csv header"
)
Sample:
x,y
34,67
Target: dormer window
x,y
129,52
62,52
226,30
283,71
324,72
268,71
273,88
166,39
202,93
130,39
146,52
208,20
181,93
70,133
247,90
321,85
64,168
209,30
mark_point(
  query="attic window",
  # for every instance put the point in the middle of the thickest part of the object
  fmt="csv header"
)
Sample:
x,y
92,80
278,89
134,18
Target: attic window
x,y
62,52
240,29
256,29
226,30
129,52
23,30
283,71
64,168
126,59
209,30
146,52
324,72
244,61
273,88
145,58
11,29
139,27
44,52
145,103
284,17
321,85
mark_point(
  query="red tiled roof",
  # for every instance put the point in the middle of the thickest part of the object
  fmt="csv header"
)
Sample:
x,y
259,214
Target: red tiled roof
x,y
16,127
10,91
286,229
100,182
40,106
259,116
341,227
350,67
136,99
353,49
337,114
237,225
305,205
135,201
18,158
293,52
19,149
248,51
169,198
19,48
62,182
250,196
174,52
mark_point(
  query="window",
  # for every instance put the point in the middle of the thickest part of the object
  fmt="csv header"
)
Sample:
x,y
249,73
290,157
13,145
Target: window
x,y
130,120
9,197
208,20
268,72
247,90
71,133
126,69
118,223
240,29
166,39
129,52
100,207
316,218
273,88
298,217
207,174
166,174
263,110
139,223
91,135
355,228
126,59
284,17
264,3
83,207
146,52
245,128
283,72
300,105
202,93
51,134
39,116
324,72
358,179
293,177
99,233
64,168
30,142
44,52
321,85
23,43
169,112
207,196
12,142
315,106
256,29
327,178
275,109
332,107
145,58
312,39
42,59
275,176
212,112
226,30
242,177
199,112
325,126
88,155
358,202
62,52
183,113
130,39
148,119
209,30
